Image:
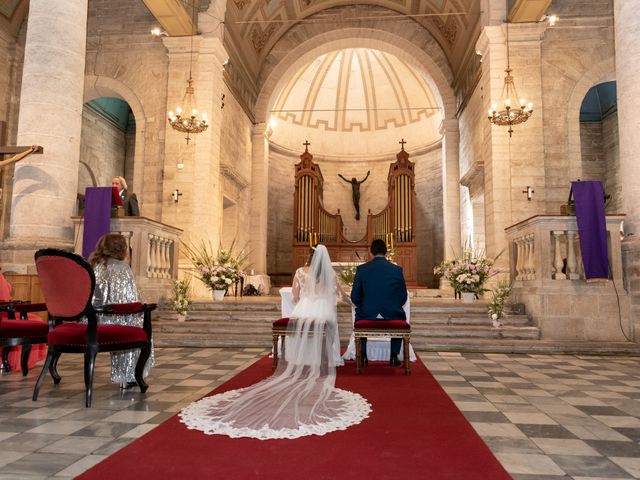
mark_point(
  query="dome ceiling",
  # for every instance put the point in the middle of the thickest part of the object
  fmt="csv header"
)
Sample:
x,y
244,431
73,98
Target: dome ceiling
x,y
355,89
355,101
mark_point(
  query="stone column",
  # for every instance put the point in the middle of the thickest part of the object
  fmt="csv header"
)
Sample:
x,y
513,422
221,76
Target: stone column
x,y
45,186
259,198
451,187
194,168
627,25
511,163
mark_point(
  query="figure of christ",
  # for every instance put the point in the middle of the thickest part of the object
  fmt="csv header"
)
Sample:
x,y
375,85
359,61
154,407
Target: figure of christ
x,y
355,191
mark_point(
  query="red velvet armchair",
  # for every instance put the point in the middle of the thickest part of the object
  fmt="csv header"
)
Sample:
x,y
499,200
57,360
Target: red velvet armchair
x,y
20,331
67,283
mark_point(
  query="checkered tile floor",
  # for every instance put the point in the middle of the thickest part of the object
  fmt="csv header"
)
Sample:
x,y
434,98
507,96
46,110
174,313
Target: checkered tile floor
x,y
544,416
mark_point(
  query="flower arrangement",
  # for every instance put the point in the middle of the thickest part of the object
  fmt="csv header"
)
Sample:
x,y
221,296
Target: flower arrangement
x,y
499,297
468,273
391,255
348,275
217,270
180,299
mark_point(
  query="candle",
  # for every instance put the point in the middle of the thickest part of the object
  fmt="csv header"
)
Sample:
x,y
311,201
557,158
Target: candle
x,y
310,240
391,235
315,238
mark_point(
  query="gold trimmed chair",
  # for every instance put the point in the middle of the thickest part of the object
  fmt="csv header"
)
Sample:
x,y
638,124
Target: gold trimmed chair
x,y
383,329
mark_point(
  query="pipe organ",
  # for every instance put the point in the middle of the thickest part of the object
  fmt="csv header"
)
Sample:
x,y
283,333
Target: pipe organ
x,y
395,224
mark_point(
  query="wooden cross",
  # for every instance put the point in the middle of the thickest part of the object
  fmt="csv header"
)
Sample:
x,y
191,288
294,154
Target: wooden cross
x,y
402,142
306,145
19,153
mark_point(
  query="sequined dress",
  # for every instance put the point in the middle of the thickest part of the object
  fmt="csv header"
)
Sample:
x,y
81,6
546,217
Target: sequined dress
x,y
115,284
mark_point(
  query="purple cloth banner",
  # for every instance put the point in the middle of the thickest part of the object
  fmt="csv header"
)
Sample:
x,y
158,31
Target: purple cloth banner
x,y
97,217
588,197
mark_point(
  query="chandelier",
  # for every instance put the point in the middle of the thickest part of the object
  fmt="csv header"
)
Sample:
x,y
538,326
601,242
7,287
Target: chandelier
x,y
185,119
510,116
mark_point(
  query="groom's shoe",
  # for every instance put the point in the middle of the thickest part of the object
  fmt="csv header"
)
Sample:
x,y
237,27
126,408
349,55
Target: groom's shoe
x,y
395,361
365,361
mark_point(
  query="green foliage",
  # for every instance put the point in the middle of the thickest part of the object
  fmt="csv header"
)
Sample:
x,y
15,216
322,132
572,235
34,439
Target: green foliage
x,y
216,269
469,272
348,275
181,292
499,297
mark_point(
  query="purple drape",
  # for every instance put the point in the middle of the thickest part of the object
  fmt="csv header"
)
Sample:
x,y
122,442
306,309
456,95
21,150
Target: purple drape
x,y
588,197
97,217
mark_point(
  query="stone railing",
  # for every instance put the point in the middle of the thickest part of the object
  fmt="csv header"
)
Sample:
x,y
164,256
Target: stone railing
x,y
154,248
548,277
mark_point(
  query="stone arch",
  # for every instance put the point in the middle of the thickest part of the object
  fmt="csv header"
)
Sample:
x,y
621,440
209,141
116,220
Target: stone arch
x,y
97,86
601,72
405,39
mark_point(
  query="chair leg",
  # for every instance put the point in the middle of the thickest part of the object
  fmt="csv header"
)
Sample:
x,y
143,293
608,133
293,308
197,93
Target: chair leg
x,y
274,363
405,354
24,358
45,367
358,344
53,368
145,353
5,359
89,365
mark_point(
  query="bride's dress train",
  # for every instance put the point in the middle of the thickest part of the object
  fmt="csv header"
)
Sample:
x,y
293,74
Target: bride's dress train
x,y
300,398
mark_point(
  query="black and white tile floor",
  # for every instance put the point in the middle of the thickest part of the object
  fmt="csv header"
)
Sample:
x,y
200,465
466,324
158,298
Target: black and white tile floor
x,y
544,416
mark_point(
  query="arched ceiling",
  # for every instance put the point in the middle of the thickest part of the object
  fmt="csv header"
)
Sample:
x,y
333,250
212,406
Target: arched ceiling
x,y
355,89
353,102
253,27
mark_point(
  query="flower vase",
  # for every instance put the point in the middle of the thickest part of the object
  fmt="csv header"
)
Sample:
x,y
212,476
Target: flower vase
x,y
468,297
218,295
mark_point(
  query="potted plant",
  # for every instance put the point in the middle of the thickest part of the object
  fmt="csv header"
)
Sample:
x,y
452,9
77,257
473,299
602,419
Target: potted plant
x,y
180,300
499,297
217,270
467,274
348,275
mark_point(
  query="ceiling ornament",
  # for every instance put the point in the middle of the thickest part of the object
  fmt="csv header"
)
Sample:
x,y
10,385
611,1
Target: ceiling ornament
x,y
510,116
186,119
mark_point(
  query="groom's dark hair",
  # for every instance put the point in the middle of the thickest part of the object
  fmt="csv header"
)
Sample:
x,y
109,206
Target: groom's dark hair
x,y
378,247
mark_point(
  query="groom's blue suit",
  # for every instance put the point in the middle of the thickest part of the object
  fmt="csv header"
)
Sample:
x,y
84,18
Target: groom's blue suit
x,y
379,290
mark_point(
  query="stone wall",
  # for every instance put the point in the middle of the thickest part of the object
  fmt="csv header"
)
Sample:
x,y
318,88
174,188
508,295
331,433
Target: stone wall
x,y
125,61
102,151
591,146
611,149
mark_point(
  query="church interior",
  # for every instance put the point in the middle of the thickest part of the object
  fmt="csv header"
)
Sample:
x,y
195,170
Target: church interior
x,y
272,126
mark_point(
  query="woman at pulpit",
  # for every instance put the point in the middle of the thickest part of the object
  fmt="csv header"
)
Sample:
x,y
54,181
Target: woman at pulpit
x,y
115,284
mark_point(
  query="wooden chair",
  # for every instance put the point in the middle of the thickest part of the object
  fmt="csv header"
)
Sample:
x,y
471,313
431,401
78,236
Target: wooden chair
x,y
278,331
68,282
21,331
383,329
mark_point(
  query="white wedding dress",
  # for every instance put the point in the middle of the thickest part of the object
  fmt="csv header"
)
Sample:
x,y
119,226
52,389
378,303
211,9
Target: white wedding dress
x,y
300,398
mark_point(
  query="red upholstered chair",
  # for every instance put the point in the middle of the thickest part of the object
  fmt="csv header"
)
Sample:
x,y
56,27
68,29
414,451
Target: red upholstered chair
x,y
20,331
67,283
383,329
278,331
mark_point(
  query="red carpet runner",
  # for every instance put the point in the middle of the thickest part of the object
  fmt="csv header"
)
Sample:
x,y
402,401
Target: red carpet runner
x,y
414,431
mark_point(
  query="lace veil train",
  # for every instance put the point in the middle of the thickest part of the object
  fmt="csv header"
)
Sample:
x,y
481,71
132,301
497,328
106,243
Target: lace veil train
x,y
300,398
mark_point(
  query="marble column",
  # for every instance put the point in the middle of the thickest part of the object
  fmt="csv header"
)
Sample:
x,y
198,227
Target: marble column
x,y
45,186
259,198
451,188
627,43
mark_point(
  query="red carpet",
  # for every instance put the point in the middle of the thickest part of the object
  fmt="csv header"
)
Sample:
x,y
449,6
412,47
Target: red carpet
x,y
414,431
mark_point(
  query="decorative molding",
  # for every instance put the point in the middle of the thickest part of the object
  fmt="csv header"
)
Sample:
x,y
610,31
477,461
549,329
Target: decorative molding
x,y
259,38
234,175
473,179
449,29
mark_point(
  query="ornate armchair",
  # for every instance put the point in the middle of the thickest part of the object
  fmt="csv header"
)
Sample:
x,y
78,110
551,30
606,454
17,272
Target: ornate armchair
x,y
20,331
68,282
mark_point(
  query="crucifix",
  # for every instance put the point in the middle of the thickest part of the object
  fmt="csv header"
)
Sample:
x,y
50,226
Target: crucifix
x,y
19,153
306,145
402,142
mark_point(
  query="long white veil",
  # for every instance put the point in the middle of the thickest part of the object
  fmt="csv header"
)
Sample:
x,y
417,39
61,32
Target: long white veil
x,y
300,398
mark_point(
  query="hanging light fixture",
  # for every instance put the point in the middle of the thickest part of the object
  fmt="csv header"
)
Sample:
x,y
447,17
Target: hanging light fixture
x,y
510,116
186,118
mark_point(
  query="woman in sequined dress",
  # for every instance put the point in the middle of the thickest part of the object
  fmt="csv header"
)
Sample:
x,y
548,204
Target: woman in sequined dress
x,y
115,284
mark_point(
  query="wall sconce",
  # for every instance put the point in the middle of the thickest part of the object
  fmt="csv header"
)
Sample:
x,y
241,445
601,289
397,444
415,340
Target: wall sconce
x,y
529,191
552,19
158,32
176,195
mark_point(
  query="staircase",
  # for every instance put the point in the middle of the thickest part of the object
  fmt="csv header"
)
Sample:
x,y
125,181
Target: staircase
x,y
437,323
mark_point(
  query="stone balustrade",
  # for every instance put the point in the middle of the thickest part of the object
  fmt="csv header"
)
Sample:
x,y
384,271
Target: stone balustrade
x,y
154,248
548,277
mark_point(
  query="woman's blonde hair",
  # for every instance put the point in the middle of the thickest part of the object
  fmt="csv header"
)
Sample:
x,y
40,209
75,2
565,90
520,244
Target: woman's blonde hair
x,y
111,245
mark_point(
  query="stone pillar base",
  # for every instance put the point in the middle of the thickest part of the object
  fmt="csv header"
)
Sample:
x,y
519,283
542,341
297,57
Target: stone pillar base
x,y
631,268
17,255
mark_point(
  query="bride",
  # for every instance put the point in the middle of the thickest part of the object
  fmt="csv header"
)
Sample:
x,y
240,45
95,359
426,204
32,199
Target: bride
x,y
300,398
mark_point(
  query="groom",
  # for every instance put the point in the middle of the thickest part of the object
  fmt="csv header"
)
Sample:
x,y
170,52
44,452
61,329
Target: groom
x,y
379,292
